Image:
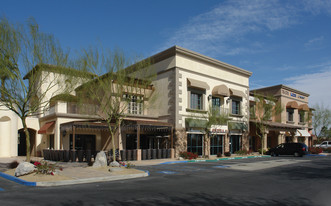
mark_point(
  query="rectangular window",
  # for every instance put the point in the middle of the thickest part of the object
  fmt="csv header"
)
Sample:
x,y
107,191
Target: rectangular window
x,y
252,111
235,107
301,116
135,104
290,114
216,104
216,144
196,101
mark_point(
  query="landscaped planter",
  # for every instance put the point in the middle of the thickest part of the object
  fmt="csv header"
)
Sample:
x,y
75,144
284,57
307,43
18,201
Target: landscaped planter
x,y
134,154
129,155
168,153
123,155
61,155
149,154
46,154
88,155
66,154
154,153
144,154
80,154
159,154
164,153
73,156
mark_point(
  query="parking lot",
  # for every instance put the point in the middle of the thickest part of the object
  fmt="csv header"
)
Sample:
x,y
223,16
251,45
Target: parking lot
x,y
257,181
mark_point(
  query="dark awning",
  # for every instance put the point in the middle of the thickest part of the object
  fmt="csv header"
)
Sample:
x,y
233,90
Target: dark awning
x,y
46,126
195,123
237,126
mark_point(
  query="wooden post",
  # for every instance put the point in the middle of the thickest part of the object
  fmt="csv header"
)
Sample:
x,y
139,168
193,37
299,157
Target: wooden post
x,y
73,138
172,138
138,136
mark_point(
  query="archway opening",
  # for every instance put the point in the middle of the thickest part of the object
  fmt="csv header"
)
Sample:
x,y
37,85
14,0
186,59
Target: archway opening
x,y
21,142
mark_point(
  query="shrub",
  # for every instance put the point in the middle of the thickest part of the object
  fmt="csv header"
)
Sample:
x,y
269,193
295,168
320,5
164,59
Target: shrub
x,y
227,154
126,164
13,164
315,150
45,168
241,152
188,155
264,151
328,150
219,154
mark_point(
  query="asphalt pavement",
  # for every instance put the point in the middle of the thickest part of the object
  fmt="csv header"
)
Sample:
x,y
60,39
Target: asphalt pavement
x,y
304,181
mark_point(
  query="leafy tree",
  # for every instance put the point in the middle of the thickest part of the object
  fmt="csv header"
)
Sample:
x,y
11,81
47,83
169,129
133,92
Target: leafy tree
x,y
31,51
266,108
119,89
9,50
321,120
213,116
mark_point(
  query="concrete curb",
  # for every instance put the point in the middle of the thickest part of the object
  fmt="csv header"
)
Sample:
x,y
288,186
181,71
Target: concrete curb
x,y
215,160
72,182
17,180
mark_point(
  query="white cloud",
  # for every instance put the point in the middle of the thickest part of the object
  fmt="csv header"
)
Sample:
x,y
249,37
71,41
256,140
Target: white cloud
x,y
220,29
225,28
315,42
318,85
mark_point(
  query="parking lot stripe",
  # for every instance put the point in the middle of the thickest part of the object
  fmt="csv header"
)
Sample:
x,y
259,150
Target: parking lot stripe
x,y
167,172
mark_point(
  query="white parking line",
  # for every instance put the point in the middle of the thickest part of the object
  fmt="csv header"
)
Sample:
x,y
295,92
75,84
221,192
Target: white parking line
x,y
264,164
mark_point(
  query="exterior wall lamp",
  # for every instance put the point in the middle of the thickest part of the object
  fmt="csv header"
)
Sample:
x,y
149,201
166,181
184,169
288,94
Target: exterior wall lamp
x,y
228,100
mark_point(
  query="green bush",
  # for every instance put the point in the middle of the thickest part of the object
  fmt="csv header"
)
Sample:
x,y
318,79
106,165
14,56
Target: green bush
x,y
241,152
264,151
227,154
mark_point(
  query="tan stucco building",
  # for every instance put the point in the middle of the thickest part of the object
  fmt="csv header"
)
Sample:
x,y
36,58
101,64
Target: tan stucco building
x,y
187,87
293,124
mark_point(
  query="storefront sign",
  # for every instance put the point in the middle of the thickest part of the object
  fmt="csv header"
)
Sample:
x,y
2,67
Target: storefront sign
x,y
218,129
292,94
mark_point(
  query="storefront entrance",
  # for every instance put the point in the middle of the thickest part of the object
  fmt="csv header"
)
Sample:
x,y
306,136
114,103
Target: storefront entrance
x,y
83,142
216,144
21,147
194,143
235,143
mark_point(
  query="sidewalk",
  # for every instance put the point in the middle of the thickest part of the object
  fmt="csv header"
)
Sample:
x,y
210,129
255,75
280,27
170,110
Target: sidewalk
x,y
73,173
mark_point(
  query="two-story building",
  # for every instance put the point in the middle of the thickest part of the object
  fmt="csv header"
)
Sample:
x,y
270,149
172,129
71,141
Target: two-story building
x,y
188,86
292,124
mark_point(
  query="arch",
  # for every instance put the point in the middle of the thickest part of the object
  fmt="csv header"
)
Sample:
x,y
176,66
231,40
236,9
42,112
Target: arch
x,y
304,107
221,90
5,136
5,119
21,144
292,104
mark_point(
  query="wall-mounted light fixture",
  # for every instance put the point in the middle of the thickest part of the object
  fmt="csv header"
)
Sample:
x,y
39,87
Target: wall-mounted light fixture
x,y
228,100
209,97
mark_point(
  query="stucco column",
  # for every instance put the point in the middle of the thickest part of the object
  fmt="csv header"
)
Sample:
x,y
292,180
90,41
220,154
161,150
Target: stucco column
x,y
295,139
281,137
306,140
265,136
227,143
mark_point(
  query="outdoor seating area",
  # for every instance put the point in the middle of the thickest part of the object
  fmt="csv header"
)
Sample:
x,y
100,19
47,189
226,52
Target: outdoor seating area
x,y
89,155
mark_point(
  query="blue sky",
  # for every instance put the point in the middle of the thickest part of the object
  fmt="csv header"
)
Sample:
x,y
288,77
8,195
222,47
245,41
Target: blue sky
x,y
281,42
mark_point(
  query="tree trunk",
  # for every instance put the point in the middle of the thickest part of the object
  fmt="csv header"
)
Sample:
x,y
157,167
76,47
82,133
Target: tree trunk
x,y
27,137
